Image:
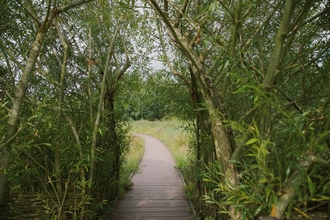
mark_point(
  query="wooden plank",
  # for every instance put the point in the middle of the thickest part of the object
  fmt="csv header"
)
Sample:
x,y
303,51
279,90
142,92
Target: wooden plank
x,y
146,183
157,191
144,201
154,196
157,187
153,214
154,218
181,204
143,209
152,205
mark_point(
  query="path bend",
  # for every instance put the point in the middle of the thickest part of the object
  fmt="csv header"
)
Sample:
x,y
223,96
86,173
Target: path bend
x,y
157,191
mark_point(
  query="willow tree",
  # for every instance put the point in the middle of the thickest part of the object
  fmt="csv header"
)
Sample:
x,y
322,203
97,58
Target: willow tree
x,y
111,60
41,27
243,56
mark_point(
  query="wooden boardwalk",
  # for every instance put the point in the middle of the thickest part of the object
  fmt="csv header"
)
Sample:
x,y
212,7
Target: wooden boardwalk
x,y
157,192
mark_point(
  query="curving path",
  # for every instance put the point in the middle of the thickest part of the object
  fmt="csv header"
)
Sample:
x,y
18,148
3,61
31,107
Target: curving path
x,y
157,192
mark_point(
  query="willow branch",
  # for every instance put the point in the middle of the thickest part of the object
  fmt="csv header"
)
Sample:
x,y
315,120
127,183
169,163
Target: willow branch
x,y
67,7
181,11
12,57
127,64
124,69
44,24
31,12
327,10
185,79
261,26
179,39
227,10
292,102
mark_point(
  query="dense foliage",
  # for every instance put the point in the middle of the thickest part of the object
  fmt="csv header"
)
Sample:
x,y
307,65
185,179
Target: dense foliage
x,y
257,72
64,139
249,77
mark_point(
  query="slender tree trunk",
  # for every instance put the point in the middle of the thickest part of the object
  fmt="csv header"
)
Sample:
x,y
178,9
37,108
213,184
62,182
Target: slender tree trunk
x,y
222,142
57,150
113,142
100,108
274,64
13,122
202,153
89,72
278,54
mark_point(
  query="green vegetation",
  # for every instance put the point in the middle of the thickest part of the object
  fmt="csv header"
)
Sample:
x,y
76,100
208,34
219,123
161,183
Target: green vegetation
x,y
249,80
132,158
154,97
172,133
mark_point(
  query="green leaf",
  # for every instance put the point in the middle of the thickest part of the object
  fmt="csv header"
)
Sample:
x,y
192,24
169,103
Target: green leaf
x,y
288,171
251,141
311,186
243,186
258,210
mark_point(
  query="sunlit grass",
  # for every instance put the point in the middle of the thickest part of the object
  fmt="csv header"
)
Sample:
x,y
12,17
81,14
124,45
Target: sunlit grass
x,y
171,133
133,157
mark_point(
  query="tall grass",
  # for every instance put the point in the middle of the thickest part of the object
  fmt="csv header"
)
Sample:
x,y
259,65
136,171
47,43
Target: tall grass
x,y
171,133
133,157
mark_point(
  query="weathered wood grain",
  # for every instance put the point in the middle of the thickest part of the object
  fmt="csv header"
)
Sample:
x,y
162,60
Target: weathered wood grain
x,y
157,191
